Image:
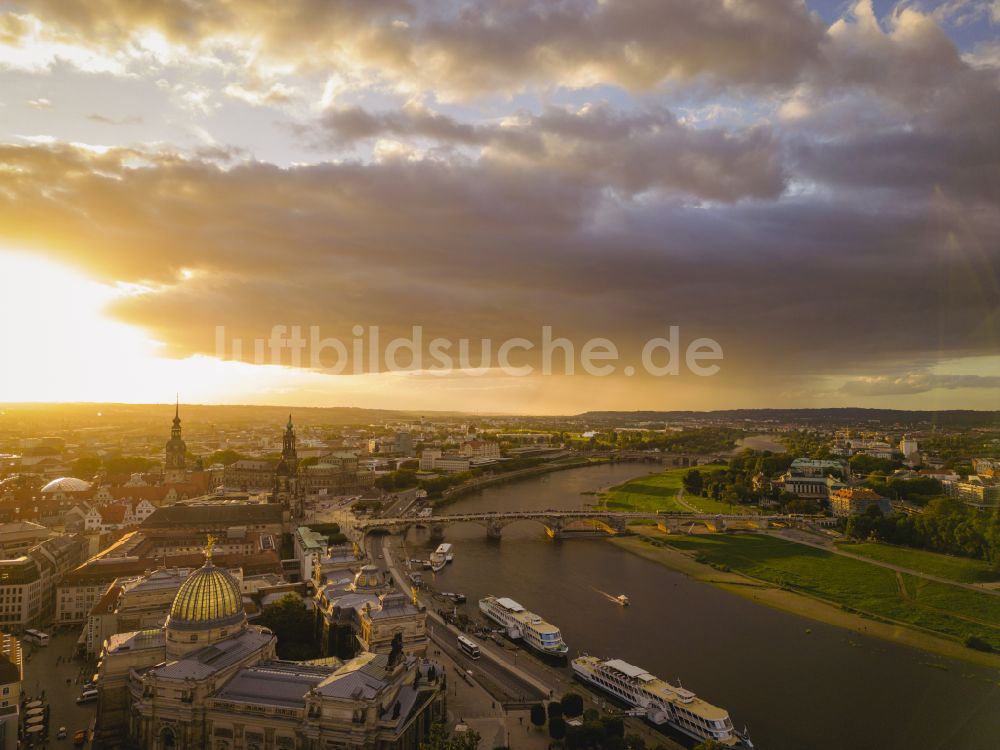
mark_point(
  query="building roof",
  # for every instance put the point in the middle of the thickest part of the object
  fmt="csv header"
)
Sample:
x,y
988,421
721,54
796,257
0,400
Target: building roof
x,y
151,638
107,601
113,513
205,662
363,677
393,605
8,672
275,683
858,493
189,514
310,539
65,484
21,527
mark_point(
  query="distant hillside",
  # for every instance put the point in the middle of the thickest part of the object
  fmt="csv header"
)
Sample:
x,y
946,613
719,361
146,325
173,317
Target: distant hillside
x,y
42,417
840,416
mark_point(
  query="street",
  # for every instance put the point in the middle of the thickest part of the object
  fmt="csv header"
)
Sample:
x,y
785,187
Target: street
x,y
46,670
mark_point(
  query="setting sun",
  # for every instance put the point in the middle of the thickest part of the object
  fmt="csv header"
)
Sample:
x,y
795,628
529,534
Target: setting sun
x,y
63,344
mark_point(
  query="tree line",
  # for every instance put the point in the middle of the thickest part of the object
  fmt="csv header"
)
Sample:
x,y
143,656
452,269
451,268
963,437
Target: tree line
x,y
946,525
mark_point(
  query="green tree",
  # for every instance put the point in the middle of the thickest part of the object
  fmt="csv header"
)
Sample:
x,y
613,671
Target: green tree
x,y
538,715
439,739
291,622
614,726
224,457
554,710
572,705
127,464
85,467
693,482
557,727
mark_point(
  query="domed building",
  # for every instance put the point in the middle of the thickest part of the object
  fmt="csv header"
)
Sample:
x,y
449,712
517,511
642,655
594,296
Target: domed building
x,y
209,679
207,608
368,580
65,486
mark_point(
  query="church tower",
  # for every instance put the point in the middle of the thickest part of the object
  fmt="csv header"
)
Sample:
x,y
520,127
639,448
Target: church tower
x,y
286,479
176,450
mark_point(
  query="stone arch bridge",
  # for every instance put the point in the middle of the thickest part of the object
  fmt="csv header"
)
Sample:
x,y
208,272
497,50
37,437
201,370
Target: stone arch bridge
x,y
569,523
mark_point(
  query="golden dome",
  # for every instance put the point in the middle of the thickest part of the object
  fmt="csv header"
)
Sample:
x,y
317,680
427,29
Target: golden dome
x,y
208,597
369,578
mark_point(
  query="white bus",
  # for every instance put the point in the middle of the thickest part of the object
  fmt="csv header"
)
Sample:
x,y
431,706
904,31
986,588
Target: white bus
x,y
468,647
37,637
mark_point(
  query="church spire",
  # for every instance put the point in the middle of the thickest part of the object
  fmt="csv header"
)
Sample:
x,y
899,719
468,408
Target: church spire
x,y
176,450
176,430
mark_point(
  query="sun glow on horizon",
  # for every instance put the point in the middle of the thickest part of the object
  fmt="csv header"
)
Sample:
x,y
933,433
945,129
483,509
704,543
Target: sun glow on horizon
x,y
60,345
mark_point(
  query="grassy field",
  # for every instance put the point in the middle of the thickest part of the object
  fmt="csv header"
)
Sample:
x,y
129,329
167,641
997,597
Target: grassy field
x,y
658,492
960,569
655,492
854,584
708,505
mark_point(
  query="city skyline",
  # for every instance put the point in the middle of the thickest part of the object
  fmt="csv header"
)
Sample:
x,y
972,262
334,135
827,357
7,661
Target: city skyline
x,y
812,186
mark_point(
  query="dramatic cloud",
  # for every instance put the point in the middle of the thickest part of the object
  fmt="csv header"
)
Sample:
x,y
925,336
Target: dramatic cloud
x,y
916,383
478,46
632,153
904,111
482,249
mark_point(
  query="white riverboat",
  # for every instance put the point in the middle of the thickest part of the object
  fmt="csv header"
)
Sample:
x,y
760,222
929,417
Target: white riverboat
x,y
441,557
659,701
520,624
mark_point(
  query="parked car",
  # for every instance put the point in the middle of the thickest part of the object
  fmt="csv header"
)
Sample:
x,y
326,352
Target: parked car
x,y
80,738
61,734
87,696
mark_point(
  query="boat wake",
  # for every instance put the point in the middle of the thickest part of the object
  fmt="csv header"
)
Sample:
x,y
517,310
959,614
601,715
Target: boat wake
x,y
606,595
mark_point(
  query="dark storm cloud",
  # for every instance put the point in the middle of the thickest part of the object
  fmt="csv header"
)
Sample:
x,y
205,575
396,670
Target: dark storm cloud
x,y
899,110
630,152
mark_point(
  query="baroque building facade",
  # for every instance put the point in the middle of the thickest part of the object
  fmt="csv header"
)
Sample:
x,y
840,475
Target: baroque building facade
x,y
209,679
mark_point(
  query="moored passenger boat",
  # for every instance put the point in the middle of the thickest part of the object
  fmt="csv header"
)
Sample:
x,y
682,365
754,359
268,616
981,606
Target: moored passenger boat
x,y
441,557
661,702
520,624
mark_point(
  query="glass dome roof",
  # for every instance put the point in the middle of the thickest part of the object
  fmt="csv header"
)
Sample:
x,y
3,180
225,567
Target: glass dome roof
x,y
209,596
66,484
